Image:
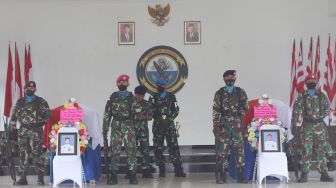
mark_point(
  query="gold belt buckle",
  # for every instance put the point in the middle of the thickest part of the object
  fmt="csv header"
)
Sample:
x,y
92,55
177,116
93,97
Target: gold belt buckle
x,y
164,116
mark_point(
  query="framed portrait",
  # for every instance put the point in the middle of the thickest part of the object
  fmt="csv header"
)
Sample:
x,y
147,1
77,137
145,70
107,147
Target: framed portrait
x,y
126,33
67,144
270,140
192,32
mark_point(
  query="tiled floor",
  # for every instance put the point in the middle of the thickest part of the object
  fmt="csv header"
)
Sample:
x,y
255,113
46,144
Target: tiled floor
x,y
193,180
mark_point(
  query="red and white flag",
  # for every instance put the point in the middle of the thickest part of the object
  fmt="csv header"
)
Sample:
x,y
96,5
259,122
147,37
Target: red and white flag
x,y
293,92
309,62
18,81
333,103
300,71
27,66
317,71
9,83
329,75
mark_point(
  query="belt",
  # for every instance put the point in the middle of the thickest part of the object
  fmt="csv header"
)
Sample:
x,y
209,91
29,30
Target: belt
x,y
121,118
310,120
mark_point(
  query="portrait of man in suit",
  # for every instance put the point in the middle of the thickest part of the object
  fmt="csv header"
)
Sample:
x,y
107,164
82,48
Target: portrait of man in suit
x,y
126,33
192,32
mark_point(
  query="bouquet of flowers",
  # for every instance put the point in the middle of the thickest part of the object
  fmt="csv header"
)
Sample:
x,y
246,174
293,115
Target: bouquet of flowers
x,y
82,129
254,126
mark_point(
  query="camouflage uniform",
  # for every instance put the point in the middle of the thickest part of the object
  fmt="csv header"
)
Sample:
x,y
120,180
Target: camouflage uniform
x,y
141,130
164,113
32,116
120,110
313,109
228,110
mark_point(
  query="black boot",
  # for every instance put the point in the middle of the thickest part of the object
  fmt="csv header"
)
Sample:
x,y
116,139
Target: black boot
x,y
241,177
326,178
40,179
113,180
179,172
304,177
147,173
220,176
22,180
132,178
162,169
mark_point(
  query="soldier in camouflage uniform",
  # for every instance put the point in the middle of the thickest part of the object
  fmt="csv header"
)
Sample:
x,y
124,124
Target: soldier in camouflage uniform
x,y
165,111
32,112
230,104
143,114
119,108
313,106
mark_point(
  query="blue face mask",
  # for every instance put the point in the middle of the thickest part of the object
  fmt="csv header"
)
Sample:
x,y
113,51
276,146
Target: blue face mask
x,y
29,98
229,89
122,93
311,92
163,94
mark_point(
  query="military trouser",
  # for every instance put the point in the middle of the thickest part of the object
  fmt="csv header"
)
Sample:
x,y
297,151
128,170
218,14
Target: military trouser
x,y
229,134
142,138
165,129
31,142
123,132
314,136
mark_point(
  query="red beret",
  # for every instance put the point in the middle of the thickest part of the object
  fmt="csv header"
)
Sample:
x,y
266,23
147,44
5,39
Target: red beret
x,y
309,77
122,77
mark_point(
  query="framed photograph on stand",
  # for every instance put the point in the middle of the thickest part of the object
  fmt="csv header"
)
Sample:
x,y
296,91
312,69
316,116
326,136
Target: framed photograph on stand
x,y
67,144
126,33
270,141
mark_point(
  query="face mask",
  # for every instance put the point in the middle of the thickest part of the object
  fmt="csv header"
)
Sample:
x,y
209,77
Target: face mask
x,y
122,87
29,92
160,89
229,89
311,85
311,92
230,82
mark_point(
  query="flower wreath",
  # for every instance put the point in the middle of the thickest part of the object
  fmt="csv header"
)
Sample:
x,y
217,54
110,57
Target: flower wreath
x,y
254,126
82,129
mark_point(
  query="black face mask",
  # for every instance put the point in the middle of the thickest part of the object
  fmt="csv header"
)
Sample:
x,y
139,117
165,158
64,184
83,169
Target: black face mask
x,y
230,82
160,89
122,87
311,85
30,92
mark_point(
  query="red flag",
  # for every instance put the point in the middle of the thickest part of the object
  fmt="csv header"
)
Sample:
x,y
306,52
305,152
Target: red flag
x,y
333,103
9,80
18,81
293,78
300,71
28,65
317,71
329,75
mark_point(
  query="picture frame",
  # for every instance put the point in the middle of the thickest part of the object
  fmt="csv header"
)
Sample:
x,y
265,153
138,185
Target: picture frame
x,y
192,32
67,143
270,140
126,33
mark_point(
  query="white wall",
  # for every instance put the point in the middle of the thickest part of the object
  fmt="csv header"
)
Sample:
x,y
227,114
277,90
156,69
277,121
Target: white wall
x,y
75,51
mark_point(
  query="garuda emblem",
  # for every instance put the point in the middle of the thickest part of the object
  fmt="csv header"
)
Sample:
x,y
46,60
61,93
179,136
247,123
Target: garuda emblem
x,y
159,14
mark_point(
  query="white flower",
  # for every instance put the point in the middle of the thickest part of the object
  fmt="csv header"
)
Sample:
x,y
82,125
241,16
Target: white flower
x,y
250,138
265,96
269,101
260,101
72,100
52,140
86,142
254,144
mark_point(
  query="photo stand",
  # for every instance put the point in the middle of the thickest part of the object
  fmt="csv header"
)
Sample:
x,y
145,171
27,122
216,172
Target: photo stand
x,y
271,163
68,167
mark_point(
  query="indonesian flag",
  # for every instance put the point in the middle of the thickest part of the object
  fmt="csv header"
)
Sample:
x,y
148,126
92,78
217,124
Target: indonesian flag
x,y
9,83
329,75
333,103
27,66
18,81
300,71
317,71
293,92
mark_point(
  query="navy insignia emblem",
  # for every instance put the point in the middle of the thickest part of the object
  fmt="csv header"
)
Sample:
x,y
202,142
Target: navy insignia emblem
x,y
162,63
